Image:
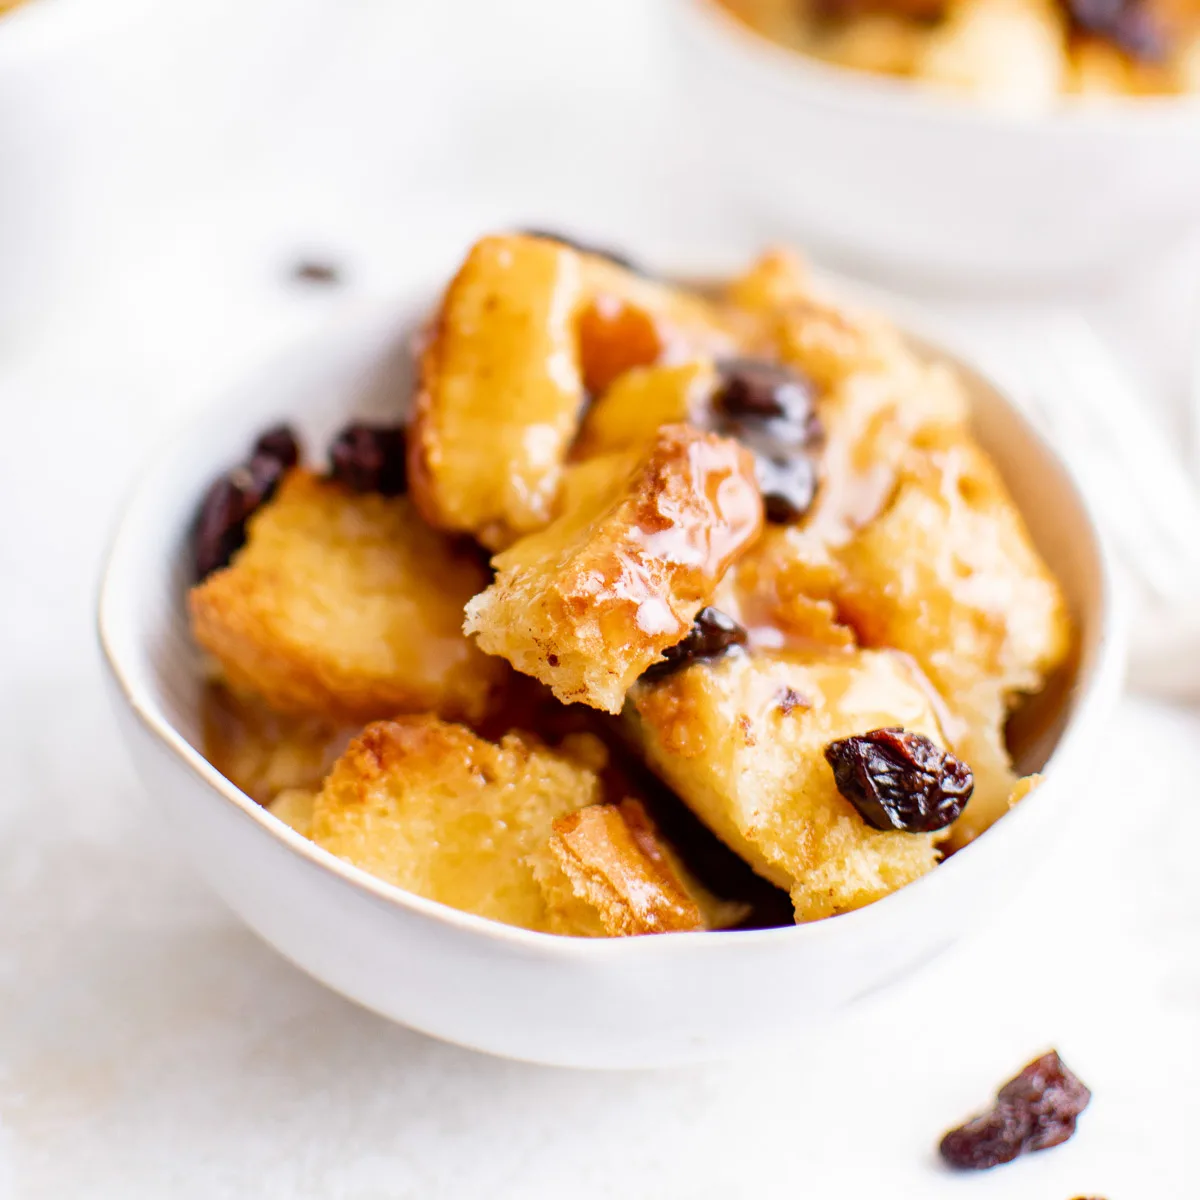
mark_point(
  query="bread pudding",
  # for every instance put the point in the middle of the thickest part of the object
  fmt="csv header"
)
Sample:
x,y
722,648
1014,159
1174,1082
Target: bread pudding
x,y
1020,54
656,610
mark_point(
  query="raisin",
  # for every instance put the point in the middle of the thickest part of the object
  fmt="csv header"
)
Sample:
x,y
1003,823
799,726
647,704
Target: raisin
x,y
1034,1111
279,442
900,780
712,634
220,529
621,260
1130,25
369,458
770,409
789,700
315,271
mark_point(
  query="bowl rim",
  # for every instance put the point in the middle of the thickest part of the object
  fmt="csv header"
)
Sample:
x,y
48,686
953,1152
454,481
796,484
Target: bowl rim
x,y
1093,694
903,100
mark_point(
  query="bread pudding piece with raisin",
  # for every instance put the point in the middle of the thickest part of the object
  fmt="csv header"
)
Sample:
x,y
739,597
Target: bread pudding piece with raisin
x,y
264,752
345,607
742,741
949,574
526,330
589,603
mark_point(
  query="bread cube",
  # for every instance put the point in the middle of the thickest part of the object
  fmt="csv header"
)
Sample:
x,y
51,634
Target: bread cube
x,y
432,808
606,874
587,604
741,741
345,607
526,329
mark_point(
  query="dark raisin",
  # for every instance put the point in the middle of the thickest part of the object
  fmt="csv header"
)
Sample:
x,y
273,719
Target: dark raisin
x,y
613,256
317,271
755,389
369,458
1130,25
712,634
279,442
1034,1111
770,409
788,486
900,780
220,529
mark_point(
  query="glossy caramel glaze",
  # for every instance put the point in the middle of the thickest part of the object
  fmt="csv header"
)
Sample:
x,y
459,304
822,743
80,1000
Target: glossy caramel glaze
x,y
587,604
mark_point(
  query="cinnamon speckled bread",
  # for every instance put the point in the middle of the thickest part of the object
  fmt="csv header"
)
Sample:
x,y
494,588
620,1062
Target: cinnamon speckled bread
x,y
587,604
346,607
742,741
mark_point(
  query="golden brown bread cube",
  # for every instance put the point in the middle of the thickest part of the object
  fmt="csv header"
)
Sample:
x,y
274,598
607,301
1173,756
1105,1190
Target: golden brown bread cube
x,y
345,607
501,390
432,808
606,874
587,604
264,752
742,741
526,328
948,573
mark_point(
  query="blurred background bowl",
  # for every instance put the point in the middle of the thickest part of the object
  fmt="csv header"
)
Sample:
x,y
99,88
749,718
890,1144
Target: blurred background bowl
x,y
885,172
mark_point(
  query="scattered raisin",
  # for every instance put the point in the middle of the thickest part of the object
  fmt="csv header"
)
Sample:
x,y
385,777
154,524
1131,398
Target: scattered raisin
x,y
770,409
316,271
220,528
1130,25
712,634
369,458
613,256
1034,1111
900,780
790,700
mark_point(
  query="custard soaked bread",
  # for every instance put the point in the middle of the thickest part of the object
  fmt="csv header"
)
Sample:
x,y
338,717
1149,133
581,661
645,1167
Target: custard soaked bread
x,y
589,603
511,830
346,607
526,330
750,520
742,741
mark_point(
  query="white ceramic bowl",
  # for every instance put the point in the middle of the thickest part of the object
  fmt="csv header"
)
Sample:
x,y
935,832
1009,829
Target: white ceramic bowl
x,y
888,175
595,1003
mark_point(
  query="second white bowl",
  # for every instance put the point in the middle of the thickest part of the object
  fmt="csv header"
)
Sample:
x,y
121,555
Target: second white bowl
x,y
932,187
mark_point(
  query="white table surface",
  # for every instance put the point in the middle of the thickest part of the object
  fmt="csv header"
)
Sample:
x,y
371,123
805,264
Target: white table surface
x,y
151,1047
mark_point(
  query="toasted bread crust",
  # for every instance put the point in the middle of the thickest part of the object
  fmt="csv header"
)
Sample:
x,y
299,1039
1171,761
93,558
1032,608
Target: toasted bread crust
x,y
589,603
345,607
611,877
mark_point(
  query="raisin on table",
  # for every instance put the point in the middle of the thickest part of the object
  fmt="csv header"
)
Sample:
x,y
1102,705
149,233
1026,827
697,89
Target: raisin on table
x,y
1034,1111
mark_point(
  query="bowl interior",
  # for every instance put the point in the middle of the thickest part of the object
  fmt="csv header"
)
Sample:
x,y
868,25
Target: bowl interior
x,y
362,367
